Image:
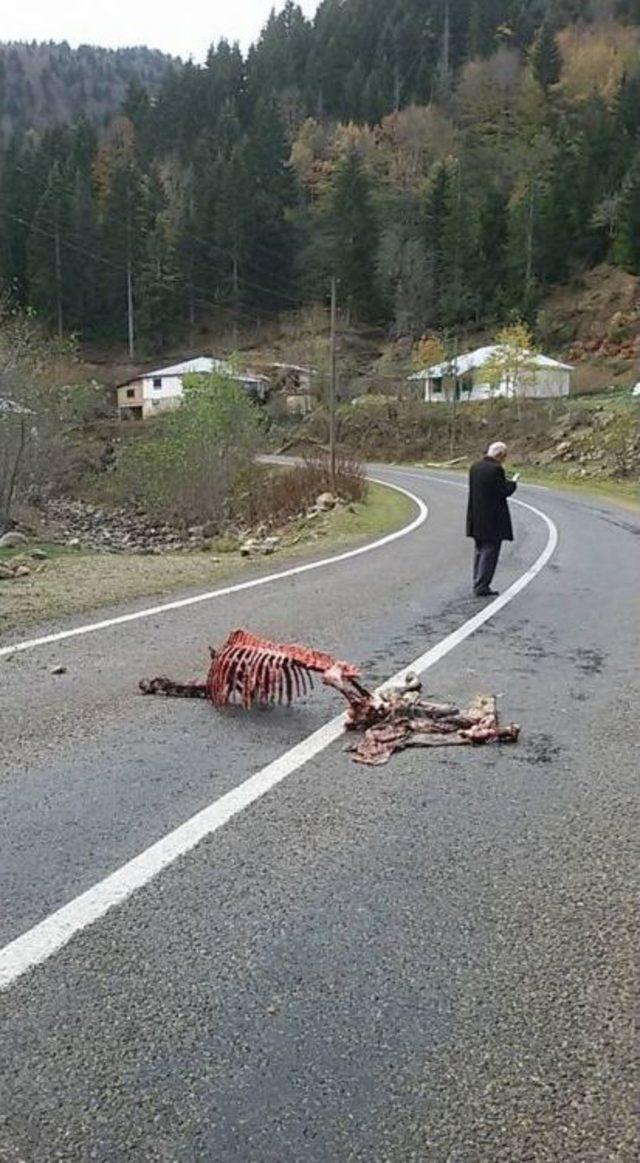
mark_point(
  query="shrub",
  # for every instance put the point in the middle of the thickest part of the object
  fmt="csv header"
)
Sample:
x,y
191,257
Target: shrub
x,y
277,494
190,468
37,435
198,466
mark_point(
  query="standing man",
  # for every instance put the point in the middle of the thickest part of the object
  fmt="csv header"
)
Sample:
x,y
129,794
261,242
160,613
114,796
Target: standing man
x,y
488,517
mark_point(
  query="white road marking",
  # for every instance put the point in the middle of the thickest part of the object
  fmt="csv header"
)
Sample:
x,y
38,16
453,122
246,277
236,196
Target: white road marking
x,y
425,476
181,603
46,938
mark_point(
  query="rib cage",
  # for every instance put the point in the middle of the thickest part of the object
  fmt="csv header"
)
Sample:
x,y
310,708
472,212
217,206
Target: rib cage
x,y
253,670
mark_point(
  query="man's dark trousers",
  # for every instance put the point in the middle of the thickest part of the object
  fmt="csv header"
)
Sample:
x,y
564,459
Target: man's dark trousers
x,y
485,560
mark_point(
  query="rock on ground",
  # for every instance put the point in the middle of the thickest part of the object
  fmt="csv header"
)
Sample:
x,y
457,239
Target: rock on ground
x,y
13,539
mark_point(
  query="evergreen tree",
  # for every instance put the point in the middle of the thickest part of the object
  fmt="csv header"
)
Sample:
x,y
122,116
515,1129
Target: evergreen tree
x,y
138,110
629,10
160,291
554,227
456,249
233,229
546,60
84,271
83,146
21,189
278,61
627,110
224,84
354,236
475,44
122,224
405,276
46,259
626,247
271,190
159,284
436,212
489,272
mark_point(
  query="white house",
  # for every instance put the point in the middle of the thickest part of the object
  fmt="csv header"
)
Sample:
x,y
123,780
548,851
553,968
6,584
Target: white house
x,y
542,377
155,391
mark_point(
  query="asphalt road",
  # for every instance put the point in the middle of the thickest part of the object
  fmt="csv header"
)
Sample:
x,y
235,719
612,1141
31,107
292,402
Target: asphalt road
x,y
433,960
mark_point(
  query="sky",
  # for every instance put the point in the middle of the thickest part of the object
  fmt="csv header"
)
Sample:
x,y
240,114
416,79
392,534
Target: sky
x,y
183,27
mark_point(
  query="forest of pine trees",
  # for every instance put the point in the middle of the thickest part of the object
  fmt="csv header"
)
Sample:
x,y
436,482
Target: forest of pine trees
x,y
447,160
41,84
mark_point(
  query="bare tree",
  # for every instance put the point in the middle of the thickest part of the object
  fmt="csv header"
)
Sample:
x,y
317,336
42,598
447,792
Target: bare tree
x,y
513,365
36,407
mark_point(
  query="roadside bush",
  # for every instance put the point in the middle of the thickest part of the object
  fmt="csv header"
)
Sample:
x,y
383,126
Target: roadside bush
x,y
197,466
43,410
274,495
190,468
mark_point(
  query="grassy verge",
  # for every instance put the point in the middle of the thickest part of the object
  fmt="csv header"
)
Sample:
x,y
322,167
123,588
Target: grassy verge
x,y
51,549
73,581
614,401
625,493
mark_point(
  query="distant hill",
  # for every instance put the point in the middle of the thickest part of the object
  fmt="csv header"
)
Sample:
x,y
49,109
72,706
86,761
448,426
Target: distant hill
x,y
448,162
41,84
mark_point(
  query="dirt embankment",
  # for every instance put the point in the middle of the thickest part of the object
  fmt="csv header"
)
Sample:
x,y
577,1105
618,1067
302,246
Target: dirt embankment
x,y
595,322
599,437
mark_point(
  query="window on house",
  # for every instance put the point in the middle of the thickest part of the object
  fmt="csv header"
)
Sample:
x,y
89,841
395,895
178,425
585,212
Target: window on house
x,y
157,381
131,393
436,384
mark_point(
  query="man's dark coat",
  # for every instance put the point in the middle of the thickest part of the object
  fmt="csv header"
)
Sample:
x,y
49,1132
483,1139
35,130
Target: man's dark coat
x,y
488,517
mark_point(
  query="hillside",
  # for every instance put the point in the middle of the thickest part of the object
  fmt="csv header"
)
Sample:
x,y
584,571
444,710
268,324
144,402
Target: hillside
x,y
43,84
453,166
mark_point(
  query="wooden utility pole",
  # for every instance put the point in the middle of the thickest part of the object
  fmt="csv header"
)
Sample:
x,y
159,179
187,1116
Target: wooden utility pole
x,y
130,323
332,387
529,243
132,349
443,73
446,43
192,304
454,402
397,79
58,280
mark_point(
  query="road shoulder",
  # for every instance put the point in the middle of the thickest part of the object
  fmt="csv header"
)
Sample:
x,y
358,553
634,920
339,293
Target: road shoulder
x,y
77,583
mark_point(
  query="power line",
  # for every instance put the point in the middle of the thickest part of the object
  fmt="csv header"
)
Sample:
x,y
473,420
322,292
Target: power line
x,y
268,250
201,294
65,242
247,283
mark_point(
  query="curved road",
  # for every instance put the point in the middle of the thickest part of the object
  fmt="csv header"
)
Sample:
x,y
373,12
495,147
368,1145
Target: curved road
x,y
432,960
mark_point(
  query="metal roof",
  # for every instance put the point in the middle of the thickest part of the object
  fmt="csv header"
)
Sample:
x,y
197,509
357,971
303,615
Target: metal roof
x,y
478,358
200,365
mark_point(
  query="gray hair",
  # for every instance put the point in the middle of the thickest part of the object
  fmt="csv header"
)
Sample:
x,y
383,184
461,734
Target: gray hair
x,y
498,448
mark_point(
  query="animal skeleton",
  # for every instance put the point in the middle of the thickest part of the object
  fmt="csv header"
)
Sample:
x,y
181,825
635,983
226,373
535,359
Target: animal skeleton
x,y
254,671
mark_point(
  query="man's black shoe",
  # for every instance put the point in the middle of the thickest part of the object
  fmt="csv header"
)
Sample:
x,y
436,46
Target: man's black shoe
x,y
486,593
